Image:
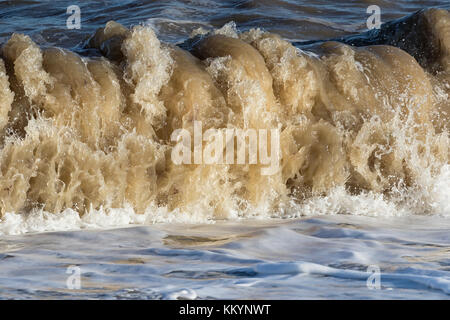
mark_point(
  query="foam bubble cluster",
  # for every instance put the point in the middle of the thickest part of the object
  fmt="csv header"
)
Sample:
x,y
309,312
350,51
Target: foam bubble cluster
x,y
93,133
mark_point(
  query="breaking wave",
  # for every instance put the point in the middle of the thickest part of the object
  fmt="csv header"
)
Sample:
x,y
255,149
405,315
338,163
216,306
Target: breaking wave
x,y
85,137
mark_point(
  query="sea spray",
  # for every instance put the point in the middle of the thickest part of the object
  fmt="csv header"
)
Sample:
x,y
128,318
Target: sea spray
x,y
93,134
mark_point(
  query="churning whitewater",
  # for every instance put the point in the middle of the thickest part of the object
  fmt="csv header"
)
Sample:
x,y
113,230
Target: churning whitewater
x,y
85,138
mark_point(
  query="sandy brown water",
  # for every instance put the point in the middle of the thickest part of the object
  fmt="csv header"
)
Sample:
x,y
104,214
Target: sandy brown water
x,y
86,119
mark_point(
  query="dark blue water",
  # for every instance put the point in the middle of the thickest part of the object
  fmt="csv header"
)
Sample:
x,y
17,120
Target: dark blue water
x,y
45,21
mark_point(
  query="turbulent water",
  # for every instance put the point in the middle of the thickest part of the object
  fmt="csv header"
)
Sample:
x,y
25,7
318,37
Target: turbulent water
x,y
86,124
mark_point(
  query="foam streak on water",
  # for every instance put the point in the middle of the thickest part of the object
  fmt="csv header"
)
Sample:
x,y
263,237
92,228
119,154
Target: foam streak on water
x,y
307,258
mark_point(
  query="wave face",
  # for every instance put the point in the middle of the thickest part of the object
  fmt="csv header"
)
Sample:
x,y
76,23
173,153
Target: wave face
x,y
359,117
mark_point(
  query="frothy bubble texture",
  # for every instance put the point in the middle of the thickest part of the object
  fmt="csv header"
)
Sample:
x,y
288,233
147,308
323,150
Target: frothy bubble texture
x,y
85,140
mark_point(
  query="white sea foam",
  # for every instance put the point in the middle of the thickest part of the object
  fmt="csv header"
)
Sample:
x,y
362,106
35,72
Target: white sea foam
x,y
339,201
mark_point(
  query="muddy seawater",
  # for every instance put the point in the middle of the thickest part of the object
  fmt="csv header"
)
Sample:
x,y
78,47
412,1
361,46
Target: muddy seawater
x,y
349,200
